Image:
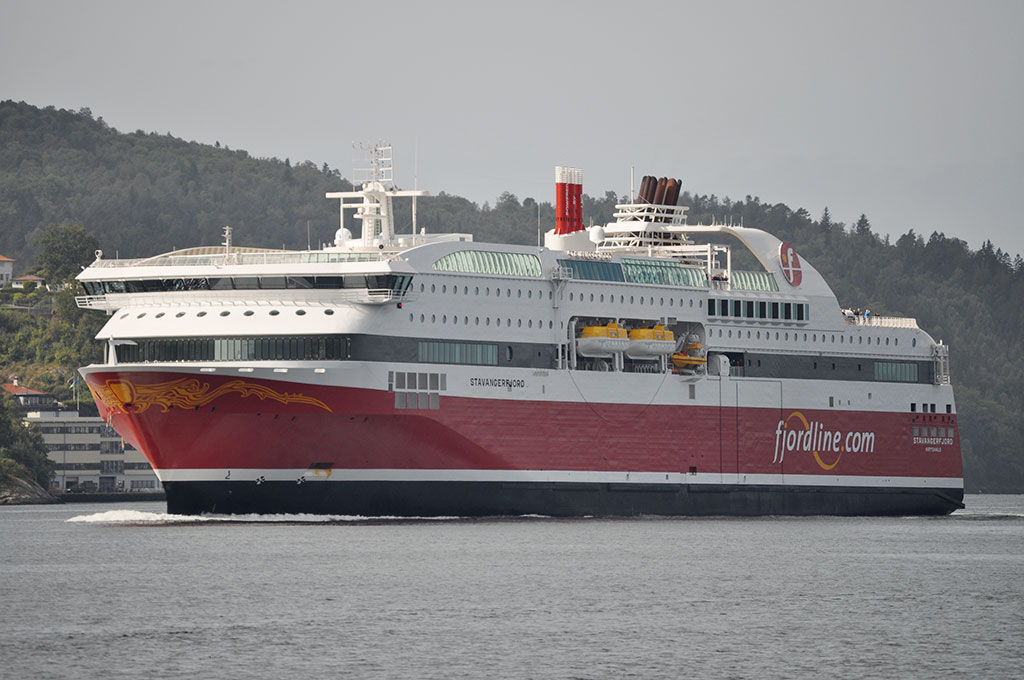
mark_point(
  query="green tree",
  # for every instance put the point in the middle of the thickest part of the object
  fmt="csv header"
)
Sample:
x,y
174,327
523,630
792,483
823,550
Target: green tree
x,y
65,249
22,452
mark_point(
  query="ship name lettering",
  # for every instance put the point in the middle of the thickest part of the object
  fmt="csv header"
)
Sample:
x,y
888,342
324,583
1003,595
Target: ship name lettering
x,y
498,382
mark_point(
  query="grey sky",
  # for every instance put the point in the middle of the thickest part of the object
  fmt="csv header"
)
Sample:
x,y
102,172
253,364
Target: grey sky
x,y
906,111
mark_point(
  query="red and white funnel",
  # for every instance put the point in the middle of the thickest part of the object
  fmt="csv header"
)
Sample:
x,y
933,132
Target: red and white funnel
x,y
568,200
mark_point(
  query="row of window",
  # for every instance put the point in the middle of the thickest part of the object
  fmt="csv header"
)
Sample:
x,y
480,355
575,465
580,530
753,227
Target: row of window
x,y
894,371
411,380
277,348
928,408
143,484
933,431
813,337
397,283
71,429
446,352
95,446
487,262
759,309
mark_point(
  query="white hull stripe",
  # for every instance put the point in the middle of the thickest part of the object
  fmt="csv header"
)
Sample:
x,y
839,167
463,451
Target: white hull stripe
x,y
559,476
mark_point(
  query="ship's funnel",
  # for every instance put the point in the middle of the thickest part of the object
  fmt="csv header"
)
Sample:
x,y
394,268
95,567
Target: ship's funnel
x,y
568,200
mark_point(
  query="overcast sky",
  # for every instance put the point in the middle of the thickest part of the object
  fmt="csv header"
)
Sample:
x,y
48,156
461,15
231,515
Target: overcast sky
x,y
909,112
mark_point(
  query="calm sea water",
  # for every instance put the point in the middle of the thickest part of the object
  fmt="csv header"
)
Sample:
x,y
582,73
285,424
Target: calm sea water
x,y
125,591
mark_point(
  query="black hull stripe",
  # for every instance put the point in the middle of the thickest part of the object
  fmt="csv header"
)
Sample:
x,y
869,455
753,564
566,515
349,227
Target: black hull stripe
x,y
482,499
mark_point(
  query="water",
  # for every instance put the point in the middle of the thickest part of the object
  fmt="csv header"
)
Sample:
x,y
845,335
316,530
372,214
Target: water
x,y
126,591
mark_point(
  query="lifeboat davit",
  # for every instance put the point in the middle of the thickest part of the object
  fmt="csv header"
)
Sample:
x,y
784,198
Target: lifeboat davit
x,y
602,341
650,343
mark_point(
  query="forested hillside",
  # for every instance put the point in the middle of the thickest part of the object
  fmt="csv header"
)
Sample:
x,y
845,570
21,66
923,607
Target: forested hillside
x,y
145,193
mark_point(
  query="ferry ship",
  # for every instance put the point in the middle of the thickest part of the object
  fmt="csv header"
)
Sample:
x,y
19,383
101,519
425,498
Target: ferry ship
x,y
617,370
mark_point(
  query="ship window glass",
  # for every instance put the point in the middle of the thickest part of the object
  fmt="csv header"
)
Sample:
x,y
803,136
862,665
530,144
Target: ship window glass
x,y
437,352
787,311
485,262
747,280
775,310
663,273
737,306
762,310
748,309
272,282
896,371
712,307
723,307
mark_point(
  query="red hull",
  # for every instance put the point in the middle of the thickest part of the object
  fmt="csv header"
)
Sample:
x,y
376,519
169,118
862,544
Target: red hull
x,y
353,428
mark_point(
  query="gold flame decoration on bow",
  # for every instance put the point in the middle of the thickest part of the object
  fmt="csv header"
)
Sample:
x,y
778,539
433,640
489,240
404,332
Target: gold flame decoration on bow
x,y
117,394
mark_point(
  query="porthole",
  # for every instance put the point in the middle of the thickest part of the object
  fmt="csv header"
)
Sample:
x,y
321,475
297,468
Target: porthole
x,y
455,290
179,315
691,302
124,316
455,320
805,337
630,299
519,323
887,342
204,313
913,342
787,337
508,292
433,288
225,313
641,299
529,324
896,342
300,312
411,318
759,335
328,312
249,312
814,338
776,335
661,301
842,339
551,324
487,291
487,321
730,332
422,288
602,297
466,290
519,293
591,297
433,318
465,320
748,335
833,339
570,297
159,315
274,312
508,322
869,339
529,294
444,288
141,315
423,319
476,291
497,292
444,318
497,321
671,302
477,322
860,340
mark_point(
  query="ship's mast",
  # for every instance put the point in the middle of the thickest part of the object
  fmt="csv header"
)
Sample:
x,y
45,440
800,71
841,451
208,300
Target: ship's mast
x,y
375,208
